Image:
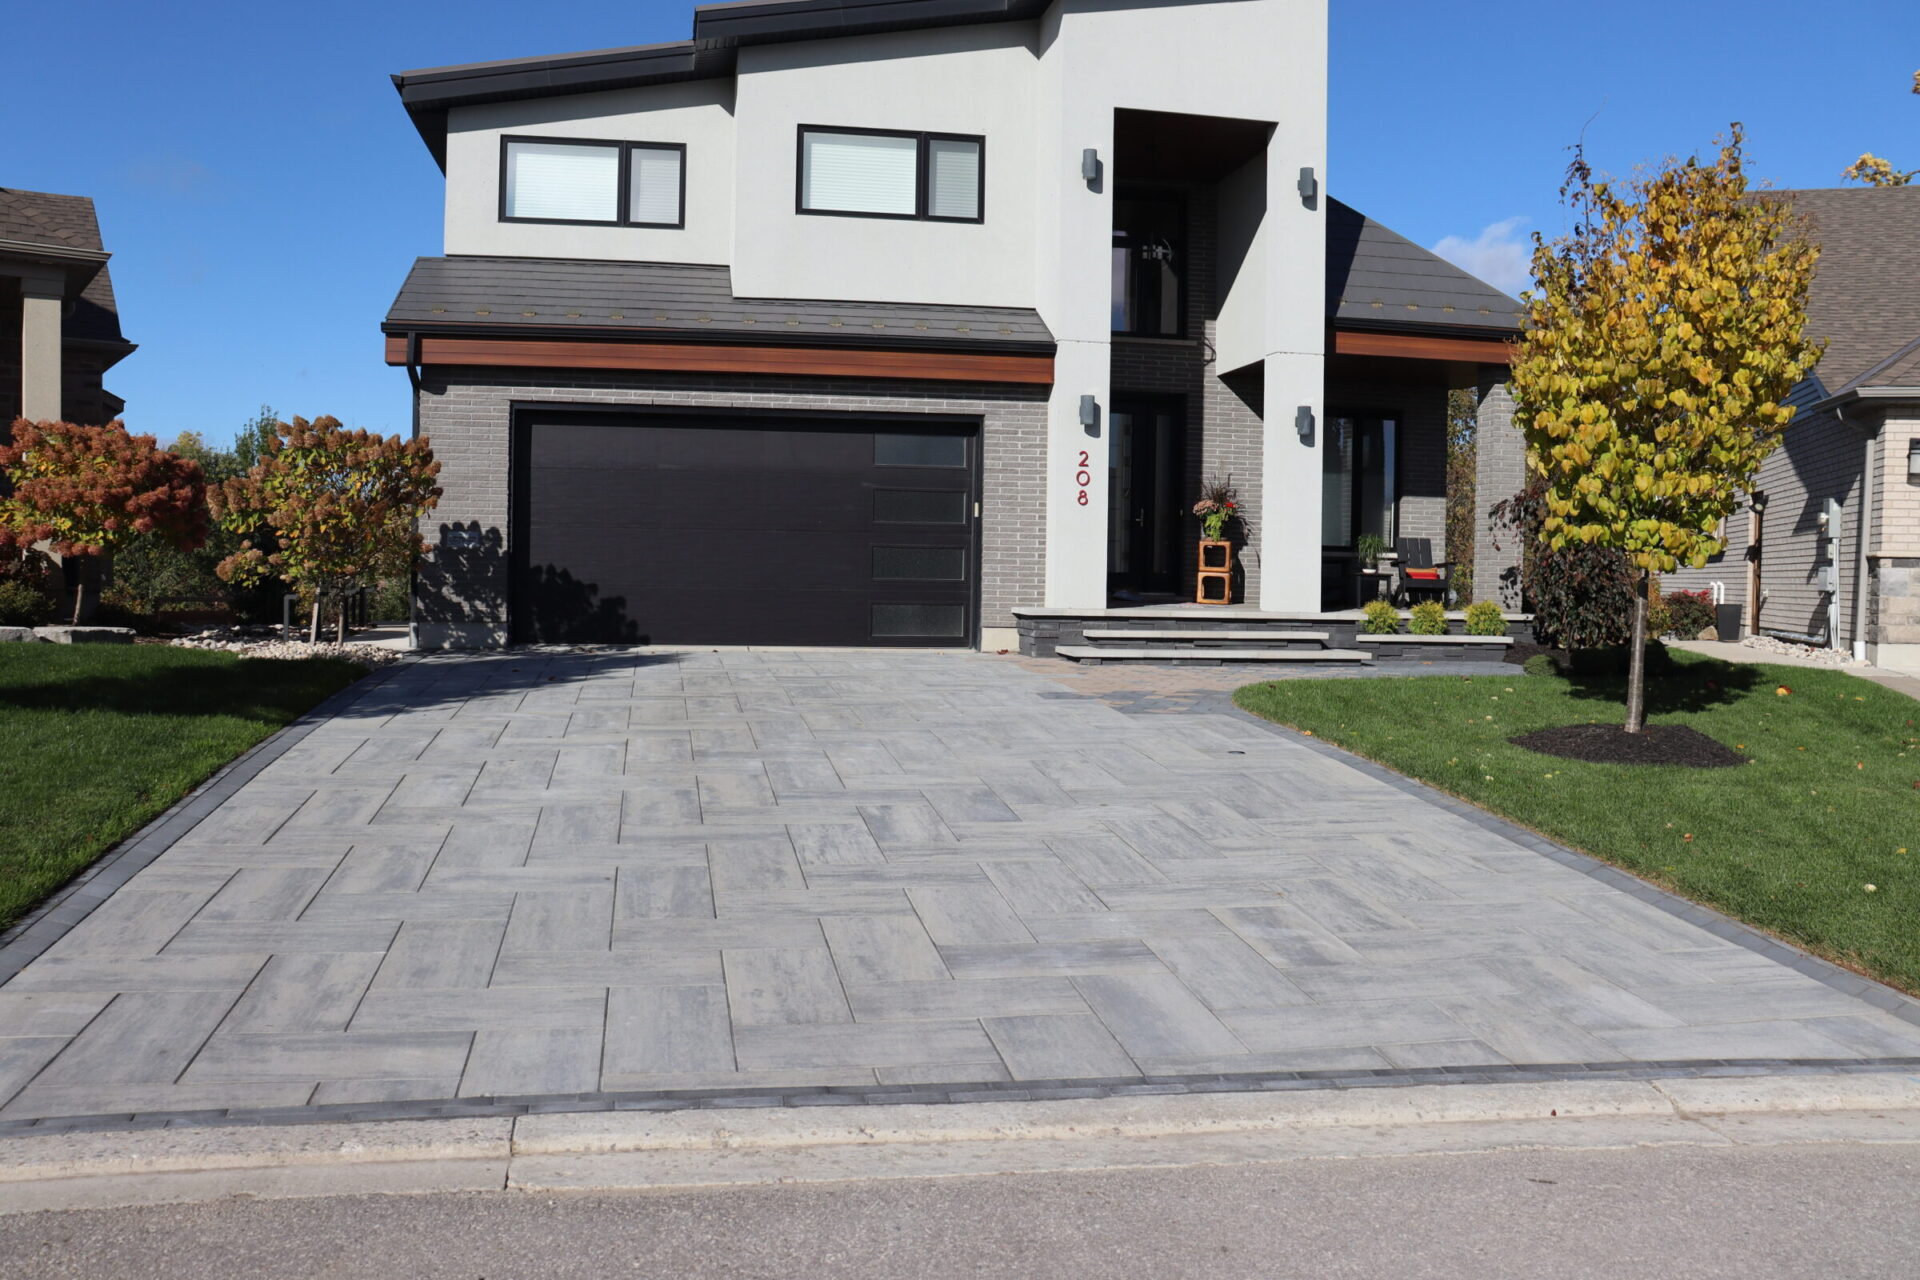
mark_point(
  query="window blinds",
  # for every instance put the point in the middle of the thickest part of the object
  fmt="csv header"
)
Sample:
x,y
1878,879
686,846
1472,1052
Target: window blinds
x,y
953,178
655,179
859,173
564,180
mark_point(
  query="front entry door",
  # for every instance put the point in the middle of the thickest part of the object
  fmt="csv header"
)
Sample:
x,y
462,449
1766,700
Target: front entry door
x,y
1148,494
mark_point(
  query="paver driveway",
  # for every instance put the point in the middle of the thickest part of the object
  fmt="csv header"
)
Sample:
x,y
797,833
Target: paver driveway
x,y
557,872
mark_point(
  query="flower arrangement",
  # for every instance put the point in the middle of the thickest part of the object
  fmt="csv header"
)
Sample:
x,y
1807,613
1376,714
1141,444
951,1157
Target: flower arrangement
x,y
1219,503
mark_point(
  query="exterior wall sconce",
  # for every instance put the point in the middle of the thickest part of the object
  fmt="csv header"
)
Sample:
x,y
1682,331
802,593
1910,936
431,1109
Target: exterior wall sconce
x,y
1308,186
1090,415
1090,166
1303,423
1913,459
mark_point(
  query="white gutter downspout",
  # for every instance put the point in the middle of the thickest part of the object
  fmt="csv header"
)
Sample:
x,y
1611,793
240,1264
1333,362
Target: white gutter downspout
x,y
1859,627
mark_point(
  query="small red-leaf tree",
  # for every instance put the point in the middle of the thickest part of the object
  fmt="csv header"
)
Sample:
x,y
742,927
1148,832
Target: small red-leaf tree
x,y
90,491
344,508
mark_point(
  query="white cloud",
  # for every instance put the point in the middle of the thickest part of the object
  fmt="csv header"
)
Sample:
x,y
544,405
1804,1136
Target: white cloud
x,y
1500,255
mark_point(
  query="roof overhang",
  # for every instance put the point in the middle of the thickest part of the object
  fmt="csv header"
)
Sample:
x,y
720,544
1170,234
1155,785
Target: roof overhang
x,y
1873,395
719,31
1455,343
78,266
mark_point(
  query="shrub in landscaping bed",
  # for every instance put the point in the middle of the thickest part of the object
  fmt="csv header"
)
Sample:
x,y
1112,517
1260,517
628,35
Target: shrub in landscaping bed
x,y
1382,619
1429,619
1688,613
1484,618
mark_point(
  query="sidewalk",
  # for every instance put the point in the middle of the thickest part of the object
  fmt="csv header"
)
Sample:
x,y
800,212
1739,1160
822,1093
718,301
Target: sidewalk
x,y
1904,681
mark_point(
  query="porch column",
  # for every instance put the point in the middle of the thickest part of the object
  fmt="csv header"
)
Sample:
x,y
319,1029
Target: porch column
x,y
1500,469
40,305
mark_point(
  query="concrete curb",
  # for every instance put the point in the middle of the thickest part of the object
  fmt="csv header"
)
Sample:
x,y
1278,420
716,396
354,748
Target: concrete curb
x,y
659,1150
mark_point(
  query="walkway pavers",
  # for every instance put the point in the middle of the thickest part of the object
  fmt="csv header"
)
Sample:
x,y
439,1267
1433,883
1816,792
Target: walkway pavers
x,y
565,872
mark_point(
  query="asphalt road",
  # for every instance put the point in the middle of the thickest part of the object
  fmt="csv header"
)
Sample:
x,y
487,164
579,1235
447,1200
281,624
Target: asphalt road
x,y
1836,1212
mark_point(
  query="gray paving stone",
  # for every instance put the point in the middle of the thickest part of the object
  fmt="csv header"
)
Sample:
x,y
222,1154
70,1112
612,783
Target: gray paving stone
x,y
883,867
22,1057
369,1055
142,1037
769,986
304,993
1226,973
1152,1013
441,955
883,948
666,1031
1058,1047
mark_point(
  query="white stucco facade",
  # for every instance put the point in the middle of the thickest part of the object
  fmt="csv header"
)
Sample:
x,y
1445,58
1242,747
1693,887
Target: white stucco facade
x,y
1040,93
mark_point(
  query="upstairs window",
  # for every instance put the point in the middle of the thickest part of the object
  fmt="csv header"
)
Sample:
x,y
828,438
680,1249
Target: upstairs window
x,y
875,173
635,184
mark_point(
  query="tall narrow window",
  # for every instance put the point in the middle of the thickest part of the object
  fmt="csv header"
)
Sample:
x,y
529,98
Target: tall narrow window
x,y
563,181
1359,487
953,178
638,184
1149,265
881,174
654,185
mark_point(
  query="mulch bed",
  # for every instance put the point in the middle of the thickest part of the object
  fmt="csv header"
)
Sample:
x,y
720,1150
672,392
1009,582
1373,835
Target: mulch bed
x,y
1612,744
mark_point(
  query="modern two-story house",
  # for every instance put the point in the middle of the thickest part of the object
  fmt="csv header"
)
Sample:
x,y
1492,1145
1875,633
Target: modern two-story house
x,y
897,322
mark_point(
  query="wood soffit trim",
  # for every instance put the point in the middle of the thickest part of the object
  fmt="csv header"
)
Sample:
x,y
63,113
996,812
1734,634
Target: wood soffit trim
x,y
726,358
1419,346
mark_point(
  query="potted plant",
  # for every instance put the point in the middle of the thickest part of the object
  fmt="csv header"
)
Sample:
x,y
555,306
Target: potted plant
x,y
1219,505
1371,547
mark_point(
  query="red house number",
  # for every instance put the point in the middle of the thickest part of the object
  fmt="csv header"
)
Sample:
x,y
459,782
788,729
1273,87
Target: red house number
x,y
1083,478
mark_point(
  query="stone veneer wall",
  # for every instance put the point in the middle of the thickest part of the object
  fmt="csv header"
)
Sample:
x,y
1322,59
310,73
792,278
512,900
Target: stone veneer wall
x,y
1223,414
1500,469
1893,607
460,595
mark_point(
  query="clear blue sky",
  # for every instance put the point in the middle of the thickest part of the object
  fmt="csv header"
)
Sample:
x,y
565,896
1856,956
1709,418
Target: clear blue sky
x,y
263,193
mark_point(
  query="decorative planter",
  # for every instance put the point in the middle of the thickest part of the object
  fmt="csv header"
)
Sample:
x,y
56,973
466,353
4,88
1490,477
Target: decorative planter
x,y
1213,583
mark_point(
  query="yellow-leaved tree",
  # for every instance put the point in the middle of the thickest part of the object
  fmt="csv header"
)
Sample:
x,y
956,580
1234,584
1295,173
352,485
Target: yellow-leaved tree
x,y
1878,172
1661,339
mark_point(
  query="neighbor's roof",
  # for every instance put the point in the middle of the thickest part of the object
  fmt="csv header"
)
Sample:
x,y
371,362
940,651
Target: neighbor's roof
x,y
719,31
1866,289
666,300
61,223
1377,278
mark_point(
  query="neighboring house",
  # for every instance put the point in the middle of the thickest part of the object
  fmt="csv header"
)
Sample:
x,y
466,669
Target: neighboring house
x,y
59,328
1828,551
890,322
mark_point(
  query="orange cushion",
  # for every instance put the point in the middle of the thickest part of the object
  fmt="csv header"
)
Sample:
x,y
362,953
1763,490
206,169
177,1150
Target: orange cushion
x,y
1429,574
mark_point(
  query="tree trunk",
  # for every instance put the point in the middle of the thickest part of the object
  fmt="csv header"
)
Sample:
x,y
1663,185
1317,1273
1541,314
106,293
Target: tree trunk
x,y
1637,662
341,630
79,598
313,627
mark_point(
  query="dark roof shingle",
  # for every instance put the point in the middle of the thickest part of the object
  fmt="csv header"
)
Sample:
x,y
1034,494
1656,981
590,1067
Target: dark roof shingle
x,y
1377,276
66,222
1866,289
677,300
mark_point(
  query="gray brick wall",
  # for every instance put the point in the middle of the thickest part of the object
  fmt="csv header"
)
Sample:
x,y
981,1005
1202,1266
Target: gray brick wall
x,y
1223,415
461,595
1500,470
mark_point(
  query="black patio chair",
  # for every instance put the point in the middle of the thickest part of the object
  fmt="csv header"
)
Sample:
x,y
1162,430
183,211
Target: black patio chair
x,y
1416,574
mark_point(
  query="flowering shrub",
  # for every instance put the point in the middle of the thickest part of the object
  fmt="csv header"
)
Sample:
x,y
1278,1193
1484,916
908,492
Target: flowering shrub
x,y
1219,503
1382,619
1485,619
1429,619
1689,613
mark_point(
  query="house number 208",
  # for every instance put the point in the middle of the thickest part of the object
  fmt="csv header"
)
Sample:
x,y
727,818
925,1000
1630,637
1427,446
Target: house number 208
x,y
1083,478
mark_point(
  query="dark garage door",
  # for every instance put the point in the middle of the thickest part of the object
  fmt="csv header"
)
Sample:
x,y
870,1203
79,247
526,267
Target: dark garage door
x,y
688,529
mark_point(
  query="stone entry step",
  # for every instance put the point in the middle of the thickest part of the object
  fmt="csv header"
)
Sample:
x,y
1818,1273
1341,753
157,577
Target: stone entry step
x,y
1268,636
1184,653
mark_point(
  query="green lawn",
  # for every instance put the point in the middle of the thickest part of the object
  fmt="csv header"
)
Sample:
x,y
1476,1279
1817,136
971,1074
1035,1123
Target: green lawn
x,y
1829,805
97,739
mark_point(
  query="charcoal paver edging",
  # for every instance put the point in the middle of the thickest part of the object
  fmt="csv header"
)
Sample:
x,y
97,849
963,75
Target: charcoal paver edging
x,y
73,902
1893,1001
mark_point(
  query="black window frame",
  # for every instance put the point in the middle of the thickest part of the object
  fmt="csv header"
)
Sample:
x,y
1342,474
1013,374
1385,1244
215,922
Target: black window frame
x,y
1172,194
624,196
922,175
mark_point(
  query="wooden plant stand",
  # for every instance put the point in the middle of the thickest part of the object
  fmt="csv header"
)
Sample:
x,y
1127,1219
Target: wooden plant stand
x,y
1213,583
